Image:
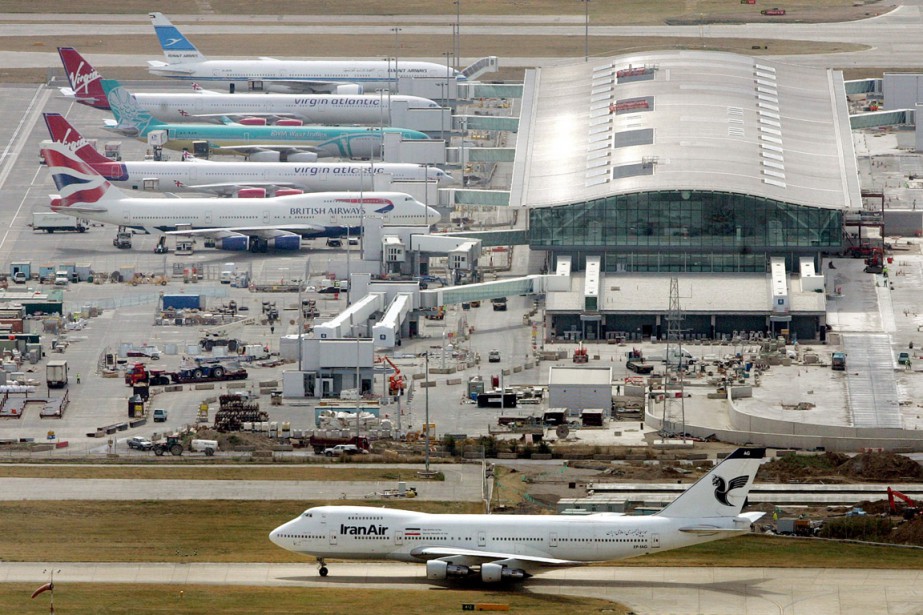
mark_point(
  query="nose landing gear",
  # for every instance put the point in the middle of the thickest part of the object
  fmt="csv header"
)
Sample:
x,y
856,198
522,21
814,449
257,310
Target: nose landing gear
x,y
322,567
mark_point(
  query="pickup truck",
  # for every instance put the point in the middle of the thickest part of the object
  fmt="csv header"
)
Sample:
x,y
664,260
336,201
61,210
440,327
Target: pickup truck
x,y
344,449
142,444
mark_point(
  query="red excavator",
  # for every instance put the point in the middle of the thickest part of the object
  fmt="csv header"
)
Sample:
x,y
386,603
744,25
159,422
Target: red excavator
x,y
910,511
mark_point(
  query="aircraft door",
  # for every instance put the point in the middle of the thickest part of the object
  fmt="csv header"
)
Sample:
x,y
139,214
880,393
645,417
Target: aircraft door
x,y
482,539
399,537
654,541
553,539
266,217
208,217
333,537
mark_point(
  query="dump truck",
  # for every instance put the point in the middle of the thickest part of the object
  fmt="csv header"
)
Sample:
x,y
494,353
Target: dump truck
x,y
56,374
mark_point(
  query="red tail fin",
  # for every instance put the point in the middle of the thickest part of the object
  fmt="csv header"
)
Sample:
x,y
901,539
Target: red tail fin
x,y
83,78
62,131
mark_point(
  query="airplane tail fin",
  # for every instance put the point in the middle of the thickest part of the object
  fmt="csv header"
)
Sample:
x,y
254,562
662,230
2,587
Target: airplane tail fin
x,y
81,188
85,81
63,132
176,47
723,491
131,118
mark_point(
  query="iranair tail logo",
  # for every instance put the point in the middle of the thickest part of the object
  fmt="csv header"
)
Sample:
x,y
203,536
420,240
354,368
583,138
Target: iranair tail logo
x,y
722,490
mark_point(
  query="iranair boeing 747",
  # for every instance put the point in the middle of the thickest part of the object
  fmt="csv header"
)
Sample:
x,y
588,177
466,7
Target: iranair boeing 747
x,y
255,224
227,178
321,76
513,547
296,143
213,107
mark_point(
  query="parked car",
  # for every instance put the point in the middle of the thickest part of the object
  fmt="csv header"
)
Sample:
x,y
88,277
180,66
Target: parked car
x,y
20,277
142,444
344,449
493,356
160,415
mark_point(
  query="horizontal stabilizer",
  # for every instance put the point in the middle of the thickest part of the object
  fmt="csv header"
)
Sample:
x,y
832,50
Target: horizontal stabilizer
x,y
708,530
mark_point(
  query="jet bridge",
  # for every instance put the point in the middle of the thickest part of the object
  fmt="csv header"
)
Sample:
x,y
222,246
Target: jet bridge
x,y
528,285
385,332
358,313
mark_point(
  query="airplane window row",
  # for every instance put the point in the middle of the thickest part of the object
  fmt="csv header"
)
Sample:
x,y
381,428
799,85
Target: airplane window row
x,y
364,518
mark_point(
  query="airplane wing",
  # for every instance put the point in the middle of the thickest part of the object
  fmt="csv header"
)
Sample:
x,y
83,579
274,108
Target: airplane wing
x,y
166,70
230,189
257,148
707,530
470,556
263,232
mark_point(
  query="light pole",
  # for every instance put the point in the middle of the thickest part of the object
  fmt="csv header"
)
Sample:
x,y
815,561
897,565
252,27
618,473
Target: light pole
x,y
448,77
355,330
586,30
397,50
426,416
458,32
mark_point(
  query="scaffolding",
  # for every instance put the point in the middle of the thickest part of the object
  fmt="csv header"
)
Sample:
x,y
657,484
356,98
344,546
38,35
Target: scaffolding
x,y
674,375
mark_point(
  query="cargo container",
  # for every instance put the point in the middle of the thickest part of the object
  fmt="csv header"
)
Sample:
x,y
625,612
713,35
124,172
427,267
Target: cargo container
x,y
50,222
182,302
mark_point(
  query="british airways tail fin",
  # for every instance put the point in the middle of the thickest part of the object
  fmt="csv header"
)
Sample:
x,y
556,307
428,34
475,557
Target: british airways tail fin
x,y
85,81
176,47
723,491
131,118
81,188
63,132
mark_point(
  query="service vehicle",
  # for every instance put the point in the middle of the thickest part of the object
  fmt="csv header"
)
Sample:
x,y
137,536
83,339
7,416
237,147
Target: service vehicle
x,y
499,304
493,356
322,443
20,277
344,449
838,361
139,443
56,374
50,222
160,415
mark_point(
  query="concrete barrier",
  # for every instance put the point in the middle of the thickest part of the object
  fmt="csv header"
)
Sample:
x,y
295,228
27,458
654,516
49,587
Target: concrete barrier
x,y
428,383
529,365
208,386
517,369
505,372
417,376
237,385
453,381
173,388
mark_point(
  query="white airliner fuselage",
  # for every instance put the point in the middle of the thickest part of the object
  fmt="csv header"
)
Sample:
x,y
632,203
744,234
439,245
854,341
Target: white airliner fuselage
x,y
334,76
329,109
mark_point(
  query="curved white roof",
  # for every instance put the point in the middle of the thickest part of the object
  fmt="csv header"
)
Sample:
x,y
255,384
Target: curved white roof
x,y
685,120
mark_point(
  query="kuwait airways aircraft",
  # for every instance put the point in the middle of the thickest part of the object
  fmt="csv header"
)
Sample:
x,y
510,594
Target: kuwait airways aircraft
x,y
205,106
297,143
255,224
511,547
227,178
322,76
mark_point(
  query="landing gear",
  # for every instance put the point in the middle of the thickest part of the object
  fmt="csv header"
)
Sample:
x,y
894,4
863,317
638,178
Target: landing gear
x,y
322,567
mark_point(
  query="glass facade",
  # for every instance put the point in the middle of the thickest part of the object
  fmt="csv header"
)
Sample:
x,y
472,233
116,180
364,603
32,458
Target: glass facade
x,y
686,230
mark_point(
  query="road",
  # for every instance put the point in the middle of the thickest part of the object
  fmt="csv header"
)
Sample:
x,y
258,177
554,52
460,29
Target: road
x,y
893,38
717,591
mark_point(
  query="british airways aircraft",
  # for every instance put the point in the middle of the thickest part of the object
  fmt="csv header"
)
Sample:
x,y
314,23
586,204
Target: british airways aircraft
x,y
255,224
206,106
228,178
321,76
513,547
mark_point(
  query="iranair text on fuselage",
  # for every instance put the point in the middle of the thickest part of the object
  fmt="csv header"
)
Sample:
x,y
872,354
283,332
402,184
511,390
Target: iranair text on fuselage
x,y
363,530
313,171
333,101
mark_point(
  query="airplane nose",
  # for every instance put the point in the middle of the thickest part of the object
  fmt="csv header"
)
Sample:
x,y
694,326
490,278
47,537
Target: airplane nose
x,y
275,537
433,216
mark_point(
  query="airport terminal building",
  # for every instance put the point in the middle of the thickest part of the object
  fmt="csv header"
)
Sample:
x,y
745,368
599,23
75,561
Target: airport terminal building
x,y
702,165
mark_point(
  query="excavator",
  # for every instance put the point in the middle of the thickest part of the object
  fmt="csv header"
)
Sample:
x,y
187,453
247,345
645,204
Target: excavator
x,y
910,511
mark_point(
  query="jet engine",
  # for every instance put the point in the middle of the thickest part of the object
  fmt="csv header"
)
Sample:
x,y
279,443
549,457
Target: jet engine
x,y
284,242
234,242
494,573
349,88
264,157
302,157
439,570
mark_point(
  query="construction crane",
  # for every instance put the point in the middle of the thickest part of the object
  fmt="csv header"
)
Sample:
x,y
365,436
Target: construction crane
x,y
396,382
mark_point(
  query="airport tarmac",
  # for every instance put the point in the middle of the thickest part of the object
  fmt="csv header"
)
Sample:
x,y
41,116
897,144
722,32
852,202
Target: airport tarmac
x,y
675,591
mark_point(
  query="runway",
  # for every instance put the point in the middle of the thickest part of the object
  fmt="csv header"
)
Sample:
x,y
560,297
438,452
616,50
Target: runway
x,y
679,591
